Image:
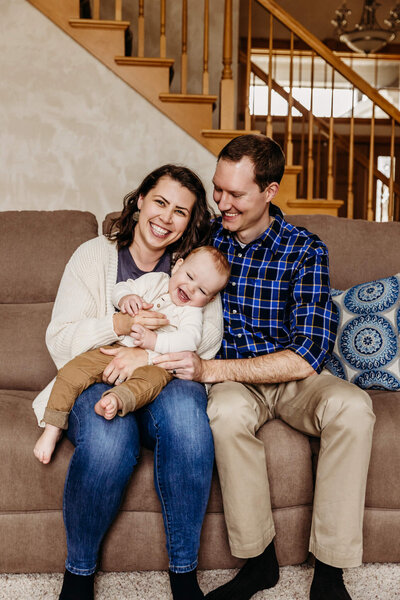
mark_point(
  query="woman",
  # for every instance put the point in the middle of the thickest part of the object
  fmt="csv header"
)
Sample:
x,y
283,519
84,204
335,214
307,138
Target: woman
x,y
161,221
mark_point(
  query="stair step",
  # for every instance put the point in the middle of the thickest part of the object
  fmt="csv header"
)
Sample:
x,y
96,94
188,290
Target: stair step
x,y
319,206
137,61
226,133
189,98
98,24
216,139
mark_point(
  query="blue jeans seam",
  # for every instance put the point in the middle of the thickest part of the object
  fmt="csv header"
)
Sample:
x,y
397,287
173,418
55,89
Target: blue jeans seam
x,y
156,463
185,568
68,566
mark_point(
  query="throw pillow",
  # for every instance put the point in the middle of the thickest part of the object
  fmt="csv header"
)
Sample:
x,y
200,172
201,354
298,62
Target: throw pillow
x,y
367,348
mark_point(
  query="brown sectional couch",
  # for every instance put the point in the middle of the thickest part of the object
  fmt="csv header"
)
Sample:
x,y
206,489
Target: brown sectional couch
x,y
35,245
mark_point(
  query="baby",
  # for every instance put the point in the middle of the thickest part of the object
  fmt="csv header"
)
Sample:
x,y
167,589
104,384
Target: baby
x,y
195,281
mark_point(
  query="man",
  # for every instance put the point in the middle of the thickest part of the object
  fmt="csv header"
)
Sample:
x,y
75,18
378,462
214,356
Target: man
x,y
280,325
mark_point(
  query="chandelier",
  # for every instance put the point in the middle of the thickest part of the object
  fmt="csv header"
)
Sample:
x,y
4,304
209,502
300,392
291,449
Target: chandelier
x,y
367,36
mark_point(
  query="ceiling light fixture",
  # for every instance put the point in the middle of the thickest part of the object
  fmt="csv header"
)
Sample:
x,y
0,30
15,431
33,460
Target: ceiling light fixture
x,y
367,36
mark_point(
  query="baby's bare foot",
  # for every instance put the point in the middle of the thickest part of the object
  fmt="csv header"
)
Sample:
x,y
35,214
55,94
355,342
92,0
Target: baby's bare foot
x,y
108,406
45,445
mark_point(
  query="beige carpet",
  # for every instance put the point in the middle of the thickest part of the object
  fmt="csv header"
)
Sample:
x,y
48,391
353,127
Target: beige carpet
x,y
369,582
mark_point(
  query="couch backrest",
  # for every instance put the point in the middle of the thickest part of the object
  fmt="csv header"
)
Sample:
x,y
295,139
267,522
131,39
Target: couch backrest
x,y
34,248
359,251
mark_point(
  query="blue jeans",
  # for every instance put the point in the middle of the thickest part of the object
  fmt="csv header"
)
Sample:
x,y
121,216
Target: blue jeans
x,y
176,427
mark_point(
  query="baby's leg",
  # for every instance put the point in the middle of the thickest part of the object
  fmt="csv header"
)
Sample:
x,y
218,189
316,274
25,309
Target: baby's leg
x,y
108,406
45,445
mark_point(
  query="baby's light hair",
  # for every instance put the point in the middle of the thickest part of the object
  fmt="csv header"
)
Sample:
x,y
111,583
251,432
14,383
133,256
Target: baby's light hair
x,y
221,264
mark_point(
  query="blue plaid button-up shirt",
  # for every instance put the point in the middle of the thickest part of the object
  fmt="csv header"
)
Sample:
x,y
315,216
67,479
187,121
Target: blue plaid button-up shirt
x,y
278,296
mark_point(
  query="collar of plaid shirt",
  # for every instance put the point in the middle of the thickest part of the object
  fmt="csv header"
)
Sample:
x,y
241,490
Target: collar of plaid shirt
x,y
278,296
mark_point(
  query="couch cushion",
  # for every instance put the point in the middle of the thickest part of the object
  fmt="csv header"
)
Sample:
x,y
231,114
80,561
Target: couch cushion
x,y
383,485
359,251
25,362
37,245
367,347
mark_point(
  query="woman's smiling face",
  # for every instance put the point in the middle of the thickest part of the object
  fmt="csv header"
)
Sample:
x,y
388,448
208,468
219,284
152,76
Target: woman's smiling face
x,y
164,214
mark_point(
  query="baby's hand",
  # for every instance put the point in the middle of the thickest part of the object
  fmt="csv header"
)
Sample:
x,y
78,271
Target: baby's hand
x,y
144,338
131,304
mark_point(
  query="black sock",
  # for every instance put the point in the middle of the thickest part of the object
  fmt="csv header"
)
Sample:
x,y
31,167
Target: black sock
x,y
259,573
328,583
184,586
77,587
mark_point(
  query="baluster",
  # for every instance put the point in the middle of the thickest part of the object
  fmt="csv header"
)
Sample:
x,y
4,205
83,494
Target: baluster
x,y
118,10
206,76
268,130
141,29
247,124
163,38
227,88
370,196
310,162
350,192
184,48
330,187
96,9
391,181
318,178
302,160
370,206
289,147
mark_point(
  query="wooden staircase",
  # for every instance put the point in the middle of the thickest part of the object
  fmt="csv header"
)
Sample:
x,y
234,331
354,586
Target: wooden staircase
x,y
151,77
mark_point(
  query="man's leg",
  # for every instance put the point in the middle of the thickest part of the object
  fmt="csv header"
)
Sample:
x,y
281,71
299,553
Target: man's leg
x,y
176,427
105,455
341,415
236,413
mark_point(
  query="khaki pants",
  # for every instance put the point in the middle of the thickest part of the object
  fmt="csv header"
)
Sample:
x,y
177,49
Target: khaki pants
x,y
320,405
140,389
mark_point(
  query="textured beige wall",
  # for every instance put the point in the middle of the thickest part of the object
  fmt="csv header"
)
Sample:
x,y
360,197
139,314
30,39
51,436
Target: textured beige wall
x,y
72,134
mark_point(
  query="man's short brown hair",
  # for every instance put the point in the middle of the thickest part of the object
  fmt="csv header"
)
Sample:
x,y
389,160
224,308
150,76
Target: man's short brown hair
x,y
265,154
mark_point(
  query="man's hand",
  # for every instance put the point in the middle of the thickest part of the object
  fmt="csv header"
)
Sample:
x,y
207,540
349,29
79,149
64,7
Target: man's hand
x,y
143,337
183,365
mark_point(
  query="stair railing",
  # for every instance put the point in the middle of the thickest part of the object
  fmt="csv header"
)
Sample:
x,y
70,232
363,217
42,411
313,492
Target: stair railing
x,y
339,71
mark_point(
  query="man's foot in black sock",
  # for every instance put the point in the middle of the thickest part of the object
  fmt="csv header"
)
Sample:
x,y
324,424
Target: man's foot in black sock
x,y
184,586
259,573
77,587
328,583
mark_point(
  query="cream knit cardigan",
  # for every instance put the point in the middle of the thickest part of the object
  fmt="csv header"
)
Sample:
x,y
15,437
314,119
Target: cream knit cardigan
x,y
82,316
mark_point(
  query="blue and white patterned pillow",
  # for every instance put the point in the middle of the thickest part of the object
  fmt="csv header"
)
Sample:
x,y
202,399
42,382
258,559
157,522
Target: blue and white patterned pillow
x,y
367,348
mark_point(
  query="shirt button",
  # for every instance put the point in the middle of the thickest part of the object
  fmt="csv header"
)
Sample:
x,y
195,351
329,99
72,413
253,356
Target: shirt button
x,y
239,335
234,312
158,305
240,255
233,284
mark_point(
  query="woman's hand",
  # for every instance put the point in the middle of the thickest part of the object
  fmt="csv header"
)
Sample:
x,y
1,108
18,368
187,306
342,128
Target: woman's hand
x,y
183,365
123,322
125,361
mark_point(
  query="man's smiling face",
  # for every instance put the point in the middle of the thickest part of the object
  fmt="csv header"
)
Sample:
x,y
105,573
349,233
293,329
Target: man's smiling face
x,y
244,208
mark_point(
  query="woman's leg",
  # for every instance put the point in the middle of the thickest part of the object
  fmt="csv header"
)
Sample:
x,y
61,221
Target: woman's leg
x,y
105,454
176,426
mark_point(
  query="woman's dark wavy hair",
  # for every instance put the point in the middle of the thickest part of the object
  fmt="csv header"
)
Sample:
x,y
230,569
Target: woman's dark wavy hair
x,y
197,232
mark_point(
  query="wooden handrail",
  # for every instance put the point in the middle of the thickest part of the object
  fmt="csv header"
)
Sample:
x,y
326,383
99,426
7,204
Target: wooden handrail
x,y
323,51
